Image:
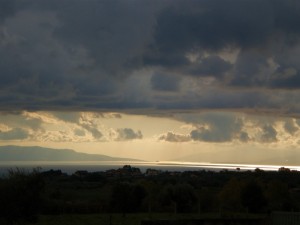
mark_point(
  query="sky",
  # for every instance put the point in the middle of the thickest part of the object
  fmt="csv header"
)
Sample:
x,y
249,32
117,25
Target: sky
x,y
196,80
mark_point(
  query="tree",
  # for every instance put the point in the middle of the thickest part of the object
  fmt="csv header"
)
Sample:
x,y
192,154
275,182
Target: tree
x,y
182,197
20,196
127,197
278,196
230,196
252,197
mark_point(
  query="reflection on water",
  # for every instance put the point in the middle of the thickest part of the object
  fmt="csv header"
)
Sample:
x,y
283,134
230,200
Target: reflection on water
x,y
92,166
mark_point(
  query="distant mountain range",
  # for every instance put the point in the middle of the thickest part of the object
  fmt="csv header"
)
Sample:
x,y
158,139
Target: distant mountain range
x,y
35,153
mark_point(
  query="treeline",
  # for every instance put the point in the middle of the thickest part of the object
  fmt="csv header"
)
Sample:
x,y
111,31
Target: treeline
x,y
21,196
25,195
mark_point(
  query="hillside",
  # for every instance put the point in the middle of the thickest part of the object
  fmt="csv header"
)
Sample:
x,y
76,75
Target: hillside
x,y
35,153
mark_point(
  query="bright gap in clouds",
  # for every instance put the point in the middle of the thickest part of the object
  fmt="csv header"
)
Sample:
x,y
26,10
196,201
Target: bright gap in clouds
x,y
218,137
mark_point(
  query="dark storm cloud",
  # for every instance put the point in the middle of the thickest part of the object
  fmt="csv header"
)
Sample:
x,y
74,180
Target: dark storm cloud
x,y
82,54
215,24
114,32
248,68
165,82
56,53
218,99
7,8
265,28
211,66
277,70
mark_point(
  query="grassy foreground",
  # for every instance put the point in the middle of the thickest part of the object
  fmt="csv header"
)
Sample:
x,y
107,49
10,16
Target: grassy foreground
x,y
91,219
120,219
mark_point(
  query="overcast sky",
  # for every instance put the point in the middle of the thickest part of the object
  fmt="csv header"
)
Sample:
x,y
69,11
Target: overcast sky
x,y
152,79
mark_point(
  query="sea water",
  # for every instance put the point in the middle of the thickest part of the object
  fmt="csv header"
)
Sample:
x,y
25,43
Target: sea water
x,y
70,167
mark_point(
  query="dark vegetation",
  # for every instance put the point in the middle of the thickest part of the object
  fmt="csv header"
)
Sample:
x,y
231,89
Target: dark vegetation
x,y
25,195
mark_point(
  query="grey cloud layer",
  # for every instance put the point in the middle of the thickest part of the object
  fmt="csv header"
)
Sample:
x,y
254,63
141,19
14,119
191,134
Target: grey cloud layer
x,y
63,126
14,134
125,134
219,127
263,31
83,54
173,137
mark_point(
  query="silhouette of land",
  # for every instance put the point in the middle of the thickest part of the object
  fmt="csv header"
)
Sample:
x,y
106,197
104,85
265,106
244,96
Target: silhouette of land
x,y
35,153
148,197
